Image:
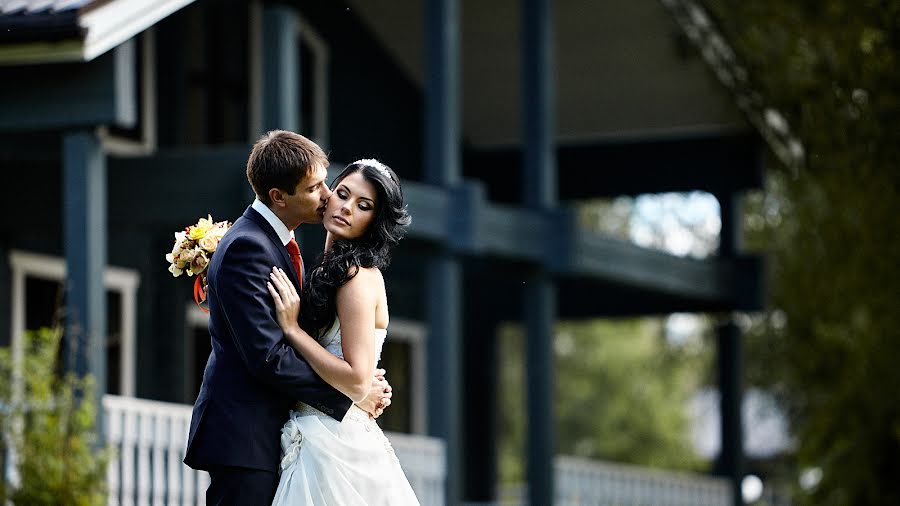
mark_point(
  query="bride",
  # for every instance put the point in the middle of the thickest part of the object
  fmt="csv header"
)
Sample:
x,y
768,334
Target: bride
x,y
340,331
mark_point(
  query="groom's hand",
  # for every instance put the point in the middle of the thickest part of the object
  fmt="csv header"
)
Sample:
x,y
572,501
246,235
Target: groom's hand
x,y
379,395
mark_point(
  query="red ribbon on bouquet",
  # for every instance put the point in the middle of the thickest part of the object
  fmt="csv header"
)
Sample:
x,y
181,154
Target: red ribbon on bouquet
x,y
200,293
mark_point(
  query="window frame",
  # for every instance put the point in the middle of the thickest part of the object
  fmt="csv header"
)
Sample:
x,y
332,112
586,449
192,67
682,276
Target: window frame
x,y
24,264
119,145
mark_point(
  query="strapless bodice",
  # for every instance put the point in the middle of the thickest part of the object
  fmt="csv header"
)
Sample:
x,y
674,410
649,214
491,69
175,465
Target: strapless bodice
x,y
331,340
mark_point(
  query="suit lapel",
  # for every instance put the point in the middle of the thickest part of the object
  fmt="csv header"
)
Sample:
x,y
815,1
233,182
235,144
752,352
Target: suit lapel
x,y
288,266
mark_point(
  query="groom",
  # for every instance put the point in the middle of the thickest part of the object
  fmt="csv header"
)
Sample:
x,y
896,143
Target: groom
x,y
253,376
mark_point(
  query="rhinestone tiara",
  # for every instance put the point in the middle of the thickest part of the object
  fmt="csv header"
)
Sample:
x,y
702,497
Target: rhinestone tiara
x,y
375,164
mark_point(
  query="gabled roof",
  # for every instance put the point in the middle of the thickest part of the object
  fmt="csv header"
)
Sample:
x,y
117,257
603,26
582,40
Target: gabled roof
x,y
45,31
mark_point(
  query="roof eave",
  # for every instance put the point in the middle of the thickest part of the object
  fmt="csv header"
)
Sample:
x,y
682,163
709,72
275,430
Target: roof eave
x,y
101,28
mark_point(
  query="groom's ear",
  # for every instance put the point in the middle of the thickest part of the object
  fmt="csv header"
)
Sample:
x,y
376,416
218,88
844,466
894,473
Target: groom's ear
x,y
276,196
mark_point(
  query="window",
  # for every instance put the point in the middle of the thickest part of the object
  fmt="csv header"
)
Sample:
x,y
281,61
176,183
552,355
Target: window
x,y
312,63
141,138
403,357
37,298
313,57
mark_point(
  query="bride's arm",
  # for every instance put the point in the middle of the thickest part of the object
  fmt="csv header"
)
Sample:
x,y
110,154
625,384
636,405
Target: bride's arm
x,y
356,302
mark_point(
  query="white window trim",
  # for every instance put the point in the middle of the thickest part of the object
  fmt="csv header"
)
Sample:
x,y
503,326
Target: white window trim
x,y
123,146
318,131
125,281
414,333
319,128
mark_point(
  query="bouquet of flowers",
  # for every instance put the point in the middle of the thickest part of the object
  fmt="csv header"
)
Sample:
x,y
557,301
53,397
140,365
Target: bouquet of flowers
x,y
193,249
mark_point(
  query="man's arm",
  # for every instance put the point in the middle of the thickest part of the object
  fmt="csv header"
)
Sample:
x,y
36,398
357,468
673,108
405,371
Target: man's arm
x,y
241,294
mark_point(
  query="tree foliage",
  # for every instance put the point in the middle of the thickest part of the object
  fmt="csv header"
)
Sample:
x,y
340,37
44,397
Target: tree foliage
x,y
829,346
52,430
621,394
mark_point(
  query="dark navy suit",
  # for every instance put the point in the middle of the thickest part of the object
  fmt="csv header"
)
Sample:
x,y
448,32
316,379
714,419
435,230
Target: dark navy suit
x,y
253,376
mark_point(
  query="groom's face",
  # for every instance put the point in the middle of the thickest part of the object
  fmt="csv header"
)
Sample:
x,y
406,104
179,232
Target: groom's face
x,y
307,204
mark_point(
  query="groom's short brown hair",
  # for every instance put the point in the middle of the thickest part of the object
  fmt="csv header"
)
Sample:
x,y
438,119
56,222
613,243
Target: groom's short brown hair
x,y
280,159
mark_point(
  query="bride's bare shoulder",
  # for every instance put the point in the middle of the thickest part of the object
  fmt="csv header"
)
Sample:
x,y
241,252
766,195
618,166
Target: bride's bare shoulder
x,y
367,277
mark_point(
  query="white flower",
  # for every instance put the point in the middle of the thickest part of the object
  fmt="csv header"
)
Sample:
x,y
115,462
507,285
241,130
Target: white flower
x,y
209,243
199,262
187,256
175,270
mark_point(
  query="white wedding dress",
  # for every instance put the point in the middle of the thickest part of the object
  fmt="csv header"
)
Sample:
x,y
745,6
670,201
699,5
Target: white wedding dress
x,y
330,463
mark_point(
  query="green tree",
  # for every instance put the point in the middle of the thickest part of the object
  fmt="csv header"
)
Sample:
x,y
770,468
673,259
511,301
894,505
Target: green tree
x,y
621,393
58,459
829,346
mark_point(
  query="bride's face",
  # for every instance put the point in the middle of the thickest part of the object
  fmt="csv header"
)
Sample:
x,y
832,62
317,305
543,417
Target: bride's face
x,y
351,208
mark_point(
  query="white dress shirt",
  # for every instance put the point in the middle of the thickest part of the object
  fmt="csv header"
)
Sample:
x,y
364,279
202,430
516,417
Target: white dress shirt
x,y
280,228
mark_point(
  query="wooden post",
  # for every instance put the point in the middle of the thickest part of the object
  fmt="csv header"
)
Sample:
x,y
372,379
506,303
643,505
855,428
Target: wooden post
x,y
280,68
84,227
539,192
443,269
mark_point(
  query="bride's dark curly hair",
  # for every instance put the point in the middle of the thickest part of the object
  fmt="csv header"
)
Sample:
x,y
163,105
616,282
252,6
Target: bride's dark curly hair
x,y
372,249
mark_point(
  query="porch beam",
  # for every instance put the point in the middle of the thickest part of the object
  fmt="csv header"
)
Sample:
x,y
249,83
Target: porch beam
x,y
715,162
462,219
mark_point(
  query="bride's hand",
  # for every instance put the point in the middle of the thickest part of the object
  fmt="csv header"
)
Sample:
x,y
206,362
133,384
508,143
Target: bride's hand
x,y
287,300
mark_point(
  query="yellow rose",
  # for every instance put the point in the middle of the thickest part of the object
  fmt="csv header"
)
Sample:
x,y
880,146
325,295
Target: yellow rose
x,y
199,230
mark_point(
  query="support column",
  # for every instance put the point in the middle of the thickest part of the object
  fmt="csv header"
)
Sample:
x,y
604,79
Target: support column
x,y
730,361
280,69
84,235
540,315
538,104
444,272
539,192
442,159
444,352
481,380
730,463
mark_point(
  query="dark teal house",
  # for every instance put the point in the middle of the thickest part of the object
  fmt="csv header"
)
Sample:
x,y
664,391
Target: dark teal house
x,y
122,121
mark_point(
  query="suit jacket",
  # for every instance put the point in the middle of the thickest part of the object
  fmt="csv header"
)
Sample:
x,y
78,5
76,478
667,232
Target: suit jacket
x,y
253,376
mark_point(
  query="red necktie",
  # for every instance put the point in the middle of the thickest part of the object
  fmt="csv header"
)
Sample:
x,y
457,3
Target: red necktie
x,y
294,250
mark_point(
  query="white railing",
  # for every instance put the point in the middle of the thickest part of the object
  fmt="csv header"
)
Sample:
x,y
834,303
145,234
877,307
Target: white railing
x,y
149,439
422,459
582,481
592,482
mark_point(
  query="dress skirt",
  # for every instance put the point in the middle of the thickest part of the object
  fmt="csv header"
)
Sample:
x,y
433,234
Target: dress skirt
x,y
330,463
